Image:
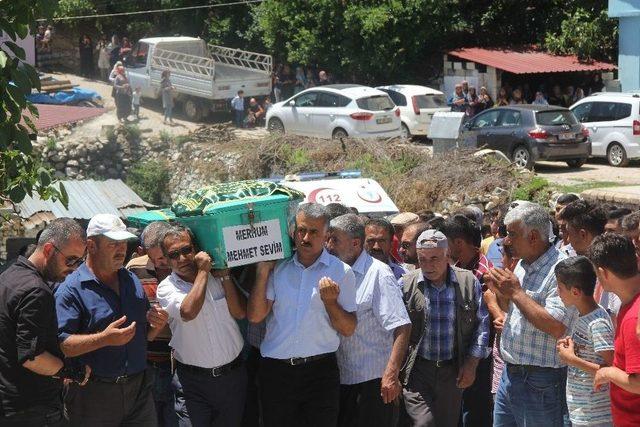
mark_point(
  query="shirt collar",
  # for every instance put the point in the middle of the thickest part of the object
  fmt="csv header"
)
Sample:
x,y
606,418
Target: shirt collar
x,y
24,262
86,275
362,263
324,259
542,260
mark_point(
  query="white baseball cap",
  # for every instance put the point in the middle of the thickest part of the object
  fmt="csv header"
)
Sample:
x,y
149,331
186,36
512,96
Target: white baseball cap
x,y
110,226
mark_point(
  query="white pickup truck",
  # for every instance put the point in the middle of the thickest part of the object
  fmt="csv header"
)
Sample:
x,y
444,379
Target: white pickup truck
x,y
204,76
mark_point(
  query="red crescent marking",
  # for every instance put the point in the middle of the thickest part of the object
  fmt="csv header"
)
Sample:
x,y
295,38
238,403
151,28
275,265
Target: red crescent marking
x,y
312,196
378,200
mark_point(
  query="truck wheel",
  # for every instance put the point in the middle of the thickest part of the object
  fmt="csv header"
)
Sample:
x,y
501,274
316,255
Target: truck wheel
x,y
192,109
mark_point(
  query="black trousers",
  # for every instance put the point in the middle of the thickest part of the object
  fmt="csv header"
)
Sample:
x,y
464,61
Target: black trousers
x,y
361,406
305,395
102,404
214,401
38,416
252,405
477,402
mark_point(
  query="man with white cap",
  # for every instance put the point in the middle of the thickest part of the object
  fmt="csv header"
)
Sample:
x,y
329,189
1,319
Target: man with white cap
x,y
105,321
449,335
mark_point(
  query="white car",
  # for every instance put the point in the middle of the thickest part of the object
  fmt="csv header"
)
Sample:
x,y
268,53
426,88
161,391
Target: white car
x,y
417,105
613,120
337,111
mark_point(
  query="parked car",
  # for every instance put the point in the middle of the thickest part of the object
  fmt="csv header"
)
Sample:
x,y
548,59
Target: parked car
x,y
337,111
528,133
417,105
613,120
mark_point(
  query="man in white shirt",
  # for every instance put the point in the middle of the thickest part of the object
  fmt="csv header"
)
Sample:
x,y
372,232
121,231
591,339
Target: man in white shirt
x,y
310,299
371,358
237,105
205,336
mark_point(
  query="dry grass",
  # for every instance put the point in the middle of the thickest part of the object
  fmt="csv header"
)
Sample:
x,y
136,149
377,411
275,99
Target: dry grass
x,y
411,177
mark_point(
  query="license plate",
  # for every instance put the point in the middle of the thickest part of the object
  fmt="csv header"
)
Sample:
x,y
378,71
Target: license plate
x,y
383,120
565,136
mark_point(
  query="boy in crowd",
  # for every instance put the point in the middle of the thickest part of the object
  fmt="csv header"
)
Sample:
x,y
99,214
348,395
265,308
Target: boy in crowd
x,y
590,346
135,102
614,259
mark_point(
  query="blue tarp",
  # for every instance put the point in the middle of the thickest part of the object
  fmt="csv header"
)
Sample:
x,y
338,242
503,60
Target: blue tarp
x,y
67,97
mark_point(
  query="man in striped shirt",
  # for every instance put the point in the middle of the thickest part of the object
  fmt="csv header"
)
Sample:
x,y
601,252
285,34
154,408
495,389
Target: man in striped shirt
x,y
371,358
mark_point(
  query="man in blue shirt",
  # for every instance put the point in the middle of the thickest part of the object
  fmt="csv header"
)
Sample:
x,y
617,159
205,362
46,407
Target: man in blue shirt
x,y
311,301
371,358
104,321
449,335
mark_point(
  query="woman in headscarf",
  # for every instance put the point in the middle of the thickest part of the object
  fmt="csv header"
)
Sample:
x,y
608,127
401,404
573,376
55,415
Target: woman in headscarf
x,y
103,58
114,72
122,95
301,81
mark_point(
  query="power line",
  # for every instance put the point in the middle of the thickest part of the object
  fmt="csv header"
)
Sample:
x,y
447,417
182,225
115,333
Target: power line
x,y
106,15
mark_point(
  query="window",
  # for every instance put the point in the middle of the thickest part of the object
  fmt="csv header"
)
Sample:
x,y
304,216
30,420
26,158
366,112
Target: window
x,y
139,53
397,98
376,103
582,111
327,100
343,101
555,118
609,111
490,118
307,99
511,118
431,101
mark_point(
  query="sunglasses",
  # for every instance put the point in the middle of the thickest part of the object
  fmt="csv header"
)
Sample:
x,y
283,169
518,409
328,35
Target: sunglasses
x,y
71,261
182,251
405,245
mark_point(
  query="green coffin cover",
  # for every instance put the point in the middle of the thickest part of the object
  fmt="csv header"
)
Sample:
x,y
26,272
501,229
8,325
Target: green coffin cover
x,y
203,200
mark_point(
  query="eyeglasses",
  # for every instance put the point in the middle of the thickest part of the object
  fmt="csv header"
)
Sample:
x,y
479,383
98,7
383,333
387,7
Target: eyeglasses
x,y
405,245
71,261
182,251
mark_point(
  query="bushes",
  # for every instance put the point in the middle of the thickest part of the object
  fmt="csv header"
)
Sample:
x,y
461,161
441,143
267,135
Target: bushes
x,y
150,179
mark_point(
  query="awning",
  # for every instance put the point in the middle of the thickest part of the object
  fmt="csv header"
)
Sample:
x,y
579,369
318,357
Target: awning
x,y
528,61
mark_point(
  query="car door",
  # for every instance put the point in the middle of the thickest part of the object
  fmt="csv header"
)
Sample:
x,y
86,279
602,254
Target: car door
x,y
588,116
326,113
603,122
300,119
483,128
509,132
138,70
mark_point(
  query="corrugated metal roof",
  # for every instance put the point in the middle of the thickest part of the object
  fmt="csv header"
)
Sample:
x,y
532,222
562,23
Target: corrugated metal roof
x,y
86,199
528,61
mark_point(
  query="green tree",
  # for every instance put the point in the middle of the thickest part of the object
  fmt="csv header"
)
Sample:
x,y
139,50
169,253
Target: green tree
x,y
587,34
20,171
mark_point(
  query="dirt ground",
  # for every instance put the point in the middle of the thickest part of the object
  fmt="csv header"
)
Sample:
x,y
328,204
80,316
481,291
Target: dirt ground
x,y
151,114
594,170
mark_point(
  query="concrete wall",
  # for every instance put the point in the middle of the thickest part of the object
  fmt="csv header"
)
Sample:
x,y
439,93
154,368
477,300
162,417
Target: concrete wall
x,y
456,71
628,14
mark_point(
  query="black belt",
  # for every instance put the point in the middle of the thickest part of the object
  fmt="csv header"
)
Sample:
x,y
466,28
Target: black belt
x,y
528,368
122,379
214,372
440,363
295,361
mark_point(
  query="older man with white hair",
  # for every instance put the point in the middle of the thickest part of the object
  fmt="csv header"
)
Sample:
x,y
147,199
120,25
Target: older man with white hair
x,y
449,335
532,385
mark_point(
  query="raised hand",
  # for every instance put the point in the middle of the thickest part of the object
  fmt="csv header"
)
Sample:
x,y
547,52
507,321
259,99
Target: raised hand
x,y
115,335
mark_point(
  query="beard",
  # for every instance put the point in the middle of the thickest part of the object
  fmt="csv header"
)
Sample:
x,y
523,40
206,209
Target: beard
x,y
53,273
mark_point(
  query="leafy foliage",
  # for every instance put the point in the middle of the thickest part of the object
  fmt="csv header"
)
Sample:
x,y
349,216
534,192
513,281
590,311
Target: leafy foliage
x,y
587,34
20,172
150,179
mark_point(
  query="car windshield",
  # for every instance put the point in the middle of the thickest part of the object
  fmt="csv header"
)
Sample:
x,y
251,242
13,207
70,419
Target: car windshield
x,y
431,101
556,118
376,103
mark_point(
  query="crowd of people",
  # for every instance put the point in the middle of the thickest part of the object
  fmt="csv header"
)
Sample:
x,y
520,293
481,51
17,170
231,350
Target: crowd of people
x,y
286,82
527,318
471,101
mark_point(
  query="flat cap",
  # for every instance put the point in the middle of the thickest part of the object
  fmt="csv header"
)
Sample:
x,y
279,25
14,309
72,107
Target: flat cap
x,y
432,239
